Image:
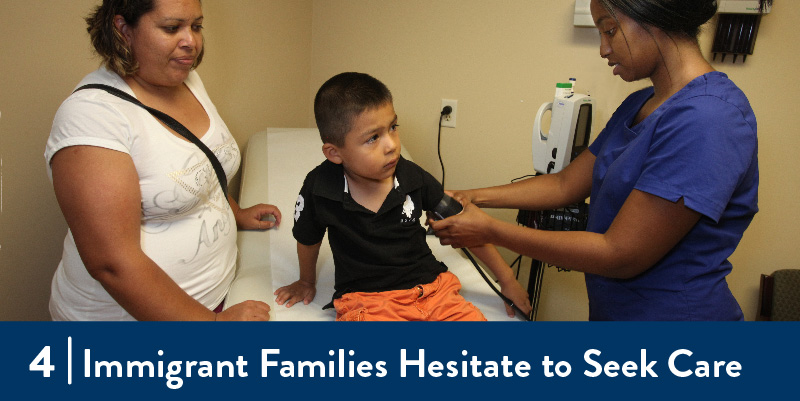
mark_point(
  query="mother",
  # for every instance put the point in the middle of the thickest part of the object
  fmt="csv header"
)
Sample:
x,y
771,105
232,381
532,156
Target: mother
x,y
151,234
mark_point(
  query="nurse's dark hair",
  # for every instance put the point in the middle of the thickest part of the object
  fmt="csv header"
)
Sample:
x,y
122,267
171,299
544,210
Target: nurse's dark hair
x,y
108,41
683,17
343,98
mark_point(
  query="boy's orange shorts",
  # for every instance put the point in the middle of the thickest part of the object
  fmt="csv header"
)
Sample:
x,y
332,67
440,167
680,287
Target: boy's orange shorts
x,y
438,301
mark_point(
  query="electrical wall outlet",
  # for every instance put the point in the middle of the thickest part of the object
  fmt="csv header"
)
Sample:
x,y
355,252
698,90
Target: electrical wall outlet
x,y
449,120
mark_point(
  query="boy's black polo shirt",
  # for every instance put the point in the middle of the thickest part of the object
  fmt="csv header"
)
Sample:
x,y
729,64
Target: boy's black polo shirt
x,y
372,252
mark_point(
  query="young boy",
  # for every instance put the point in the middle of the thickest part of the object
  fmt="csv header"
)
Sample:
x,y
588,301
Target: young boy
x,y
370,200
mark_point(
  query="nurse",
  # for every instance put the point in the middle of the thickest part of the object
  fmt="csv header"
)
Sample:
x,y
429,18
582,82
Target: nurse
x,y
673,178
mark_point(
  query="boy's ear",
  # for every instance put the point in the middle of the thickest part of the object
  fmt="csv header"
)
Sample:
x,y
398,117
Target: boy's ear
x,y
331,153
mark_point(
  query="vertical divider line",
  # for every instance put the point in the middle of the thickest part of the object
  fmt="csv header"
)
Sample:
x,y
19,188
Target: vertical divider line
x,y
69,360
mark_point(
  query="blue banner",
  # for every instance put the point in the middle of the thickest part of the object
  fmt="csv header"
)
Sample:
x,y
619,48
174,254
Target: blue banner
x,y
387,361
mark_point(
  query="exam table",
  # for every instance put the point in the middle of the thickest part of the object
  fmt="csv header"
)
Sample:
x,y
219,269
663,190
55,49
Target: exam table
x,y
274,167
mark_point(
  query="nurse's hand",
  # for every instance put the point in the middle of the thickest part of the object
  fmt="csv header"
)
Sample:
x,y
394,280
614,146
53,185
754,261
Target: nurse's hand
x,y
463,196
471,227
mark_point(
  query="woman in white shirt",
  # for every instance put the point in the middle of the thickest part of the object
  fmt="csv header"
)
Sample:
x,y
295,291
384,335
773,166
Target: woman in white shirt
x,y
151,234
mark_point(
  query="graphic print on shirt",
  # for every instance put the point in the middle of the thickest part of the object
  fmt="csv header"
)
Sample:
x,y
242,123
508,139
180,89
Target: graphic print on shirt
x,y
298,207
408,211
197,191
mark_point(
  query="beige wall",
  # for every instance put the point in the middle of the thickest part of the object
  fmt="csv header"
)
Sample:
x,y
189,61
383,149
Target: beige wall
x,y
258,64
43,54
266,58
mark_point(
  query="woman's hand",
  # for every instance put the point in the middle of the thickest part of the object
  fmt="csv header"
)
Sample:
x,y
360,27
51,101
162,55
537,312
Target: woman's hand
x,y
252,218
245,311
471,227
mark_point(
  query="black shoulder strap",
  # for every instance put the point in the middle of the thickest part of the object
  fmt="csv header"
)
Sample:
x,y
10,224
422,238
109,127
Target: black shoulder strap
x,y
172,123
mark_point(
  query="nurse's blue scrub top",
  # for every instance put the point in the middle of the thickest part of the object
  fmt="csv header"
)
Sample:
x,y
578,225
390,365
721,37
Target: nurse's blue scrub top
x,y
700,145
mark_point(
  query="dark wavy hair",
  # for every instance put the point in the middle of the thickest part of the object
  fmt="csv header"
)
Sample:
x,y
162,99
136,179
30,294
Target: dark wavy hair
x,y
108,41
341,99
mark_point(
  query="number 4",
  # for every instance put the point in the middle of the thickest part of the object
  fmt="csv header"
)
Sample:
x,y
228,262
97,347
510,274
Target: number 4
x,y
42,362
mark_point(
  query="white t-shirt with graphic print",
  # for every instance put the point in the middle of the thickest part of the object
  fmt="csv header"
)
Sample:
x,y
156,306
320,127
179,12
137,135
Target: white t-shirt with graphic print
x,y
187,226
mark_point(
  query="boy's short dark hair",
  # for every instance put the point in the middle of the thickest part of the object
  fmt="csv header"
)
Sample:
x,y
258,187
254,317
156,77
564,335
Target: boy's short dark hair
x,y
341,99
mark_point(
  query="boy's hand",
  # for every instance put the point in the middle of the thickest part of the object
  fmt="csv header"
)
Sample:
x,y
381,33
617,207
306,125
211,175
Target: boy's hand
x,y
513,290
293,293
